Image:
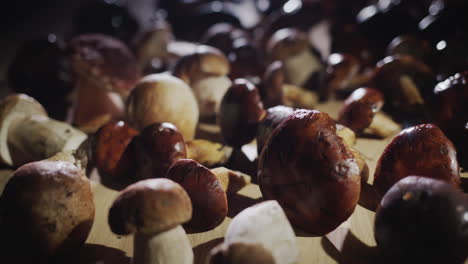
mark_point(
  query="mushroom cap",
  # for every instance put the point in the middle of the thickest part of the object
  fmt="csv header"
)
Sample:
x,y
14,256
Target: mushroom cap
x,y
359,108
310,171
422,220
150,207
274,116
203,62
420,150
47,209
287,42
106,60
13,107
209,200
161,98
240,253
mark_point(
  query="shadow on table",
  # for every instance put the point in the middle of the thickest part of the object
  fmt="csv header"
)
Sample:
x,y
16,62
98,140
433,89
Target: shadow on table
x,y
93,254
353,251
201,251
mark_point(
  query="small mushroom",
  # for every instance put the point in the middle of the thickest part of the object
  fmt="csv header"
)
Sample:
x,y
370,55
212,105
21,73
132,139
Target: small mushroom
x,y
422,220
303,66
310,171
420,150
240,114
208,198
47,210
28,134
105,72
161,98
205,71
266,225
153,210
240,253
361,113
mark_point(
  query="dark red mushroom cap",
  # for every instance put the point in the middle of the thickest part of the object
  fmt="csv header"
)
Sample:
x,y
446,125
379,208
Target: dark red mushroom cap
x,y
105,60
419,150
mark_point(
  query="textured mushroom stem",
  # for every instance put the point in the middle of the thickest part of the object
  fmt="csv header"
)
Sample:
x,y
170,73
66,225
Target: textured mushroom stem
x,y
208,153
172,246
298,97
95,103
382,126
39,137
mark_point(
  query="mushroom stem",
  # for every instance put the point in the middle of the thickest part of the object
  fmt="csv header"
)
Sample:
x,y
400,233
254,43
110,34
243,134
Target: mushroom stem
x,y
382,126
37,137
172,246
95,103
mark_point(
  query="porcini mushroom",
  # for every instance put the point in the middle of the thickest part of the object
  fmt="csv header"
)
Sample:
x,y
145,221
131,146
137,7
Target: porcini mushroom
x,y
154,209
161,98
420,150
205,71
208,198
47,210
361,113
310,171
266,225
28,134
105,72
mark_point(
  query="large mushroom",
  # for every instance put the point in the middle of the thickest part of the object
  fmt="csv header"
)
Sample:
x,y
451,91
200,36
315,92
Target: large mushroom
x,y
159,98
105,72
46,210
154,209
205,71
310,171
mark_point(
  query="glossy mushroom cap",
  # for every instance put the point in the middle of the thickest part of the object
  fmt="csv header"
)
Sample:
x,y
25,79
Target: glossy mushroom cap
x,y
156,148
208,198
422,220
240,253
310,171
161,98
47,209
106,61
420,150
150,207
274,116
359,109
241,111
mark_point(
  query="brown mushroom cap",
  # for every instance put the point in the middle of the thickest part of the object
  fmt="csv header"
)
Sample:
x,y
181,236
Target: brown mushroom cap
x,y
46,209
420,150
150,207
287,42
310,171
161,98
156,148
359,109
209,200
106,60
205,61
240,253
274,116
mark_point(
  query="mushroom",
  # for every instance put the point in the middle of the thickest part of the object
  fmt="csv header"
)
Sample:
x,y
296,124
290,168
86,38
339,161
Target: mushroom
x,y
422,220
161,98
405,83
303,66
28,134
240,114
310,171
154,209
361,113
420,150
208,198
205,71
47,210
105,72
265,225
240,253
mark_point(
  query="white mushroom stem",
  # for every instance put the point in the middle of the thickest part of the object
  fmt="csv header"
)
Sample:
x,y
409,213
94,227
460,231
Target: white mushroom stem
x,y
382,126
265,224
172,246
39,137
209,92
299,67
